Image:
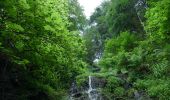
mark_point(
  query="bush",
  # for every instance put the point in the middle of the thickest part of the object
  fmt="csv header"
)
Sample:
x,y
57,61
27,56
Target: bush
x,y
156,88
112,83
119,91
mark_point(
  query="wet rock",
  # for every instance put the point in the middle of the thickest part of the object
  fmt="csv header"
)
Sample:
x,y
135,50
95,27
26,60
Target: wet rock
x,y
89,90
77,95
98,82
80,96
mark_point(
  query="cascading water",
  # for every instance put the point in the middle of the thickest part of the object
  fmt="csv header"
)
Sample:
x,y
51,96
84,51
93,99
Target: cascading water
x,y
141,4
90,89
92,93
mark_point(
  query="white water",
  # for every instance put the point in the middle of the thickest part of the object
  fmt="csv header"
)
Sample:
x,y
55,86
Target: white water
x,y
137,7
92,96
91,93
90,89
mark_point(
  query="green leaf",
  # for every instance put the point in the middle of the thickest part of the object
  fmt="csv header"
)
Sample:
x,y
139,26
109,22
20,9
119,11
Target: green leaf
x,y
14,27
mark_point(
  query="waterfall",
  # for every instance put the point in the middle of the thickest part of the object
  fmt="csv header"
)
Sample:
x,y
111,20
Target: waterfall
x,y
141,4
93,93
90,89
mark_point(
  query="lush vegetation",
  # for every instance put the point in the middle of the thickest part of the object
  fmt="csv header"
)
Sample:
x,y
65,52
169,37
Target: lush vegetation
x,y
136,46
41,49
45,45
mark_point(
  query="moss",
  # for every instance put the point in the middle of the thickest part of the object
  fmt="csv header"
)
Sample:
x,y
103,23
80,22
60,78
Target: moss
x,y
119,91
112,83
130,92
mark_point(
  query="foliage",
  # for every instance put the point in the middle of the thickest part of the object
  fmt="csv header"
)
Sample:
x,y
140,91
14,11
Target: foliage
x,y
92,43
76,16
158,88
119,91
116,50
110,19
144,57
42,46
122,16
110,81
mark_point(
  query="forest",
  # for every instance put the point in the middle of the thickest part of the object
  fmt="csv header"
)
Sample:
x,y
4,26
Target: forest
x,y
49,50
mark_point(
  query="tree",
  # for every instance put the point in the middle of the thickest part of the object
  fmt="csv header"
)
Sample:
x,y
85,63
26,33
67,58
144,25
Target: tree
x,y
35,35
76,16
